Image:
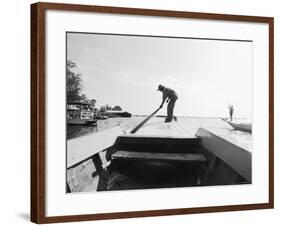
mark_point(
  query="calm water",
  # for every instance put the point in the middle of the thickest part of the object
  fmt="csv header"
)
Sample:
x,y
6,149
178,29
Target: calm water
x,y
215,125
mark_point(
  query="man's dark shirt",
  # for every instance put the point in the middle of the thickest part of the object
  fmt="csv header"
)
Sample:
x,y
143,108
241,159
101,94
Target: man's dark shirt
x,y
169,93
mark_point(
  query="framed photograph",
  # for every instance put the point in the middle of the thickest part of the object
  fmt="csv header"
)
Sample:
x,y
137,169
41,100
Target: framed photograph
x,y
143,112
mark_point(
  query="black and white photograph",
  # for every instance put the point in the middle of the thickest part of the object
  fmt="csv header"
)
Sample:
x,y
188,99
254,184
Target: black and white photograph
x,y
157,112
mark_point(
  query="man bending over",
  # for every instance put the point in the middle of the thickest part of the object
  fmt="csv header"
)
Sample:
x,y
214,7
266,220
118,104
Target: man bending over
x,y
170,96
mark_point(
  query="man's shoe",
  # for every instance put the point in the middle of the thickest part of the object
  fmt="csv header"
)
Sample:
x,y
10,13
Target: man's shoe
x,y
168,120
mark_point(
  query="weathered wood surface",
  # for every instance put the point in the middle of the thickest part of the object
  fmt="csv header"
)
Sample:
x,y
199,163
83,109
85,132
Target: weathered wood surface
x,y
81,148
144,121
158,136
179,157
234,156
80,178
157,140
158,128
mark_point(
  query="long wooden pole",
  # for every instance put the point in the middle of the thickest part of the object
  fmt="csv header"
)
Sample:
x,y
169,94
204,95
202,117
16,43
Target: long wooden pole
x,y
144,121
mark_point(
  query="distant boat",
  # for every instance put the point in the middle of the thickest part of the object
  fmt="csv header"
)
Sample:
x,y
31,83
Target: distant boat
x,y
80,113
244,127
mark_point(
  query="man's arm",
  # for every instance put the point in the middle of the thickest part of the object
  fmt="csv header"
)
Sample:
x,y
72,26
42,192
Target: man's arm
x,y
161,105
165,97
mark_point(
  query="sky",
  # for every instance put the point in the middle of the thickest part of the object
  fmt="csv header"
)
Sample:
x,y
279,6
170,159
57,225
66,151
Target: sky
x,y
207,75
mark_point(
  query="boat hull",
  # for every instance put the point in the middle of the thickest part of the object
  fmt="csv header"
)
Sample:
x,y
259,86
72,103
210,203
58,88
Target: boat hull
x,y
237,158
143,161
244,127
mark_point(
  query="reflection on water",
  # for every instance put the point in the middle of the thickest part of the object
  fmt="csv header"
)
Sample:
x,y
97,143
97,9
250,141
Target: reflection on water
x,y
215,125
74,131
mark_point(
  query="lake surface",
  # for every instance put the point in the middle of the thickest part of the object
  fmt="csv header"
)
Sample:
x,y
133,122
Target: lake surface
x,y
190,124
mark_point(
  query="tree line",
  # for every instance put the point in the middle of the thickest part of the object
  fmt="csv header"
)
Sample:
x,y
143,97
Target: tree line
x,y
74,88
108,108
73,84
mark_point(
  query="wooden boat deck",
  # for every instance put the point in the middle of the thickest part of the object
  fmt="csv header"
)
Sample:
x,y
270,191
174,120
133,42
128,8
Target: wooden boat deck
x,y
158,136
158,128
155,131
171,157
158,155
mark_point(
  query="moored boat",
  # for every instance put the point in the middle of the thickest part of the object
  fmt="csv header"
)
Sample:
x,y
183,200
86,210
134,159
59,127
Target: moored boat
x,y
80,113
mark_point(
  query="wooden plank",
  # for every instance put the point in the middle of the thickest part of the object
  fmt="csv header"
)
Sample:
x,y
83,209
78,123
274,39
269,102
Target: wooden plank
x,y
81,148
179,157
127,139
239,159
80,177
103,174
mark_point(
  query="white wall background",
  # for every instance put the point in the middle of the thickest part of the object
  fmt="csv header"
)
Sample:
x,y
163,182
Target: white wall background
x,y
15,114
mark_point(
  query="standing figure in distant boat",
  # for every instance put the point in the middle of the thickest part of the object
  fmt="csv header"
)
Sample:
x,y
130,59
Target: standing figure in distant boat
x,y
170,96
231,110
